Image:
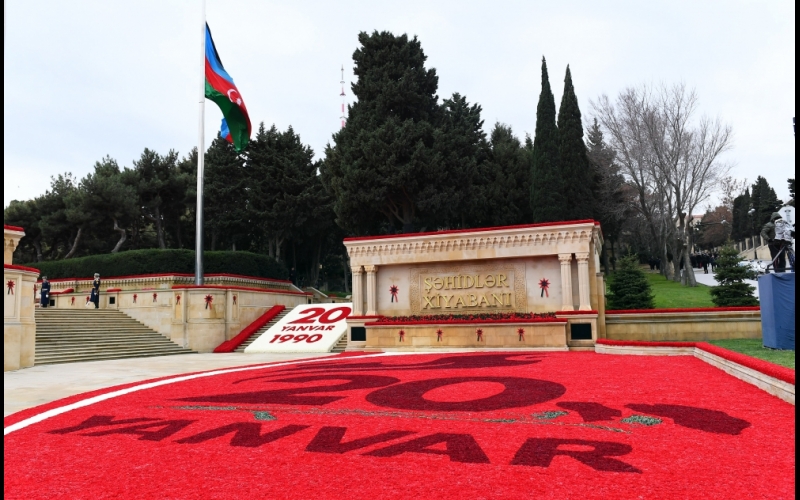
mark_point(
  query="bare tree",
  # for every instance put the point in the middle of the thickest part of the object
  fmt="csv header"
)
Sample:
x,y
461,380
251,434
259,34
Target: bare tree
x,y
730,188
672,160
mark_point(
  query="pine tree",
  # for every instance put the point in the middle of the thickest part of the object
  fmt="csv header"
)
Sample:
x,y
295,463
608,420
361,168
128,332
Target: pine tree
x,y
629,286
547,186
506,179
730,274
576,172
384,168
764,201
225,194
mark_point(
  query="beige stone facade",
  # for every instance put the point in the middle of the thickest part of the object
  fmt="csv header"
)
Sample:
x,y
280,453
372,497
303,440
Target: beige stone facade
x,y
199,318
19,325
684,326
525,269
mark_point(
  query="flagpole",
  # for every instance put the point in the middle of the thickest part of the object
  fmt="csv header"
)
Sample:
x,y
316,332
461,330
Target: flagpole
x,y
198,242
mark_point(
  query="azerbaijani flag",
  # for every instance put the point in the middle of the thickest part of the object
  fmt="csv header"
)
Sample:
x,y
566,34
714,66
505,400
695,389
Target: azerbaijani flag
x,y
221,89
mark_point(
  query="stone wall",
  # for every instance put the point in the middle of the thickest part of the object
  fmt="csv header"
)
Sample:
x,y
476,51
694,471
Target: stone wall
x,y
199,318
19,325
541,335
692,326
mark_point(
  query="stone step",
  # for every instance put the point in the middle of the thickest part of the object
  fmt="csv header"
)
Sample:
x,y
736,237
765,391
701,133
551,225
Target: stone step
x,y
100,357
102,343
341,344
260,332
64,336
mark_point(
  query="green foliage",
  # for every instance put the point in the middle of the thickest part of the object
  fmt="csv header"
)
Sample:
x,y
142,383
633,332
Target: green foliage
x,y
629,287
547,193
154,261
755,348
764,201
730,274
384,167
791,191
460,143
576,171
224,191
506,180
742,225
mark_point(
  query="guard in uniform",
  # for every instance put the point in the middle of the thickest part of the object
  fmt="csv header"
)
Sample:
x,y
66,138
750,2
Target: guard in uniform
x,y
95,297
45,293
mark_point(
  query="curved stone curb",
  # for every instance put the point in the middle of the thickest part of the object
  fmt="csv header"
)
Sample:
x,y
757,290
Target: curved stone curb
x,y
776,387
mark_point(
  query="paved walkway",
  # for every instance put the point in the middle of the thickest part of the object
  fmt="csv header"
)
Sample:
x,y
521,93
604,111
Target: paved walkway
x,y
44,383
708,279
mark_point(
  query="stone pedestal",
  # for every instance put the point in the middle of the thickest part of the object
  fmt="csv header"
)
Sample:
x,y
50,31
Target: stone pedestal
x,y
19,325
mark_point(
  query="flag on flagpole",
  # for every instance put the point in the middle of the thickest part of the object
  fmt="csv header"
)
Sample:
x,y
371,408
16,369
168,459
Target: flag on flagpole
x,y
221,89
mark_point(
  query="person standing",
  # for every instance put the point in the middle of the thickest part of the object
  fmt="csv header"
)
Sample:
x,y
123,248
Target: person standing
x,y
45,293
778,234
95,296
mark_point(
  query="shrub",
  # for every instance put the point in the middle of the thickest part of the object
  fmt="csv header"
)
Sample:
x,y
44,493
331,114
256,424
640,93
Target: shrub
x,y
156,261
730,274
629,286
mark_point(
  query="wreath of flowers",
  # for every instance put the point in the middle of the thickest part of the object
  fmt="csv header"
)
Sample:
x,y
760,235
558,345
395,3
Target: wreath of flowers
x,y
209,299
439,335
521,333
10,284
479,332
155,297
402,334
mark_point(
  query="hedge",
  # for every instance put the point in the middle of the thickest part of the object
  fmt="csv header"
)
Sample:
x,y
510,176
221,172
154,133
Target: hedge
x,y
155,261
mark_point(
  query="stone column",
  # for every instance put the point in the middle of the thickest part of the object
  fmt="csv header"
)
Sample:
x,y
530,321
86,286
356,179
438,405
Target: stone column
x,y
566,281
372,290
584,292
358,295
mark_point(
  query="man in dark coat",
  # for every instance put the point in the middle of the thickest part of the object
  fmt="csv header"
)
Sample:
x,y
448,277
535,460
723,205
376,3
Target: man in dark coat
x,y
45,293
95,296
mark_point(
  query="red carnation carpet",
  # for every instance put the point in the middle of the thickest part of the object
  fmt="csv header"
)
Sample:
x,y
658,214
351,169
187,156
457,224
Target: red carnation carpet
x,y
467,426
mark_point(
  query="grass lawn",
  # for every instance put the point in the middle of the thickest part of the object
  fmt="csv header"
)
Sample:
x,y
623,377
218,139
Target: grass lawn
x,y
670,294
753,347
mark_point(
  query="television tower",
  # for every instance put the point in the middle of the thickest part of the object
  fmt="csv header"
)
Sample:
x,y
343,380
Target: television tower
x,y
343,95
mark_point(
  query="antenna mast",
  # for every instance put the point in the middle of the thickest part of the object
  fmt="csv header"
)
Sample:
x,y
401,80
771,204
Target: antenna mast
x,y
343,96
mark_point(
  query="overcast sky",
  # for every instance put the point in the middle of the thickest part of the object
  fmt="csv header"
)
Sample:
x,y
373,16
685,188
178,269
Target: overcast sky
x,y
85,79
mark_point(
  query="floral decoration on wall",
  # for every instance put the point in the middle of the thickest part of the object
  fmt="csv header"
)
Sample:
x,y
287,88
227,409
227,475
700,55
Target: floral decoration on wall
x,y
544,284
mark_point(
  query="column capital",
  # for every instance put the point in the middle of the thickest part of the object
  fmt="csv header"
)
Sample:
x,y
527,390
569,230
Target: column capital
x,y
357,270
371,269
565,257
582,256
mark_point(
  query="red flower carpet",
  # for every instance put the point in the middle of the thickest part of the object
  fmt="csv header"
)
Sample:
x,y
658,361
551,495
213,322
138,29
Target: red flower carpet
x,y
467,426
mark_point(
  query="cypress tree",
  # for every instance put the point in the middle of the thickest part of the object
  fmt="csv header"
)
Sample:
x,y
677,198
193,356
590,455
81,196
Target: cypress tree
x,y
576,172
629,287
547,198
730,274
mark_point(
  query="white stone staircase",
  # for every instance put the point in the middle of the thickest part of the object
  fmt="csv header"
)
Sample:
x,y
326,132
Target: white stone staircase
x,y
341,344
263,329
72,335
